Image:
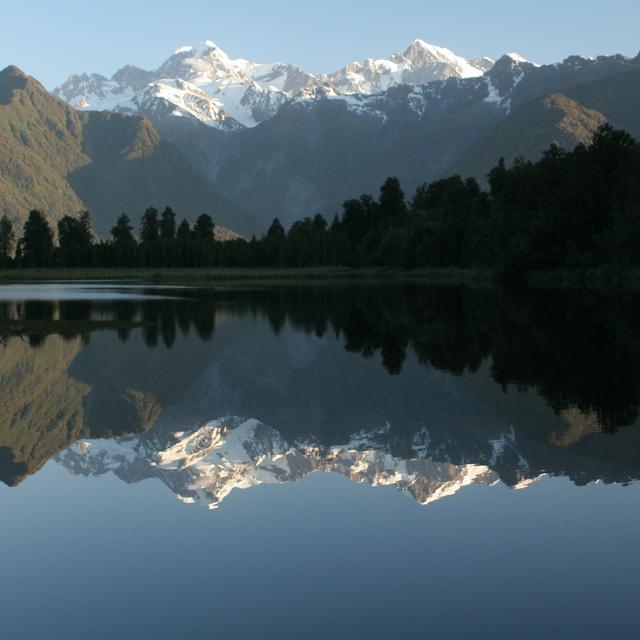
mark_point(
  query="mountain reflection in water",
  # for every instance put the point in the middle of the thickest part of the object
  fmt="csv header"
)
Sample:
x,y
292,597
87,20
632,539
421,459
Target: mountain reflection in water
x,y
426,389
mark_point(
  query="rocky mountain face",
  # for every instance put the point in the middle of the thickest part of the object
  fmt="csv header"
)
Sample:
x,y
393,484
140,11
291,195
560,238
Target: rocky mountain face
x,y
62,161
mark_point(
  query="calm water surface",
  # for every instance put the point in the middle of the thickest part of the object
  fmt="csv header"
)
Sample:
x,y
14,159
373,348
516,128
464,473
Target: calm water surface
x,y
318,462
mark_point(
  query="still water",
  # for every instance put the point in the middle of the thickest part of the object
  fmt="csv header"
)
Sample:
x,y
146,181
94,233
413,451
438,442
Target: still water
x,y
318,462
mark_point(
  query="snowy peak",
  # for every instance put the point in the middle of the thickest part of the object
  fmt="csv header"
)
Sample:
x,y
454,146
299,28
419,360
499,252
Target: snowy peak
x,y
506,74
511,61
80,90
204,83
519,59
206,47
179,98
420,63
199,51
421,54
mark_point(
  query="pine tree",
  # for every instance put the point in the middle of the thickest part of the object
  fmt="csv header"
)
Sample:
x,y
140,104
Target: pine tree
x,y
122,232
86,229
168,224
184,231
125,247
75,238
150,228
357,218
7,241
72,232
204,229
274,245
37,241
276,230
392,202
498,177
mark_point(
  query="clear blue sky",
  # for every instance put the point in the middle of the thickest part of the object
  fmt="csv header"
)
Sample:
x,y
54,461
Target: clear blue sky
x,y
51,40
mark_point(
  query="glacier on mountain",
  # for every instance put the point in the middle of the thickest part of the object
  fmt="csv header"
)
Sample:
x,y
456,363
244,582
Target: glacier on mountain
x,y
206,84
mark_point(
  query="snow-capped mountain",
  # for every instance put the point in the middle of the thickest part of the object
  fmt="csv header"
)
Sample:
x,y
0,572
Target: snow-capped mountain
x,y
206,84
205,465
420,63
200,82
419,115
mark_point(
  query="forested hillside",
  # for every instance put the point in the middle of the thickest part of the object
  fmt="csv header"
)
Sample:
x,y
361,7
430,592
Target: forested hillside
x,y
60,161
569,210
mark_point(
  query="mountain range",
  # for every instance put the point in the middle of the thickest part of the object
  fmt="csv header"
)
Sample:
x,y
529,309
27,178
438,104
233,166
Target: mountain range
x,y
279,141
248,142
206,84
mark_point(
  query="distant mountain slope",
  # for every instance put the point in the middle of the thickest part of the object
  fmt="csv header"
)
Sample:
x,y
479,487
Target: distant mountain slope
x,y
58,160
312,155
566,119
617,98
554,119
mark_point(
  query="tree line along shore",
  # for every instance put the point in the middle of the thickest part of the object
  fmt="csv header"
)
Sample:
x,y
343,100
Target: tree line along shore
x,y
570,210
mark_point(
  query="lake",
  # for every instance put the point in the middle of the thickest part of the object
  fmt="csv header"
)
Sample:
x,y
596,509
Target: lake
x,y
323,461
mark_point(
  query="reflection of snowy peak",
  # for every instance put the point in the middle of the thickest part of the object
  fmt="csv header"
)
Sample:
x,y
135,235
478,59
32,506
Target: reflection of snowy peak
x,y
205,84
204,466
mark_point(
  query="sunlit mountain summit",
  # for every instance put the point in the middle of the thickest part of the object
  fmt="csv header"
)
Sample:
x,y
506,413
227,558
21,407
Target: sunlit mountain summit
x,y
204,83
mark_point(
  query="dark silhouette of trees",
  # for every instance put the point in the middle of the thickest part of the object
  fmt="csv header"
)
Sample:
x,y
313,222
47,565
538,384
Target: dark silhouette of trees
x,y
274,244
36,244
567,211
123,250
184,231
150,227
204,228
392,202
122,232
168,225
7,241
75,240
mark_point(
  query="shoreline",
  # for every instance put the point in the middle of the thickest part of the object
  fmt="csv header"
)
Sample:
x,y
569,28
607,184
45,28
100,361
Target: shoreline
x,y
244,275
599,278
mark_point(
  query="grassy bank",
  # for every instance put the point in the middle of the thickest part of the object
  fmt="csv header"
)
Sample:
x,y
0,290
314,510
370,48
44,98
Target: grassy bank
x,y
244,276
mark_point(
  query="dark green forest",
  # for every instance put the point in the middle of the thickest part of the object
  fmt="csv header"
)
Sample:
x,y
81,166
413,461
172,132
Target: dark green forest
x,y
569,210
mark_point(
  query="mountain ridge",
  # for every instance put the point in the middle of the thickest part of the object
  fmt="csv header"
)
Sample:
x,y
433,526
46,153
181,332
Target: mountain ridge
x,y
62,161
566,119
314,154
281,142
206,84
